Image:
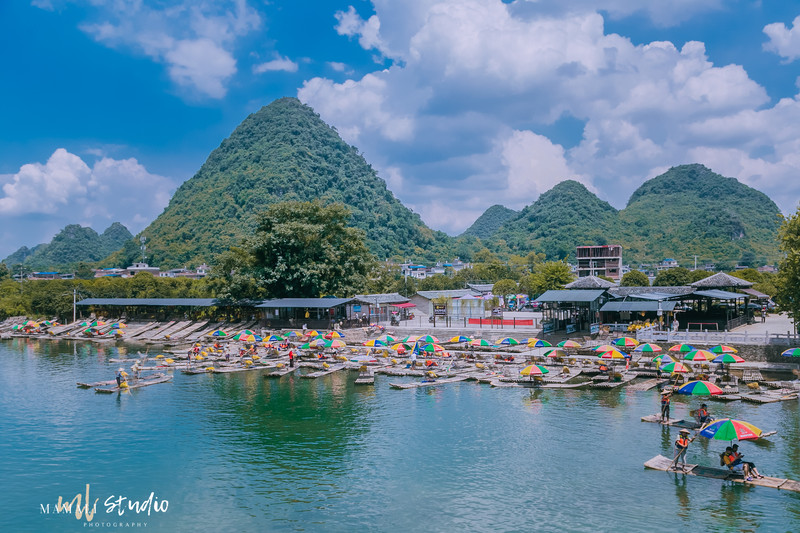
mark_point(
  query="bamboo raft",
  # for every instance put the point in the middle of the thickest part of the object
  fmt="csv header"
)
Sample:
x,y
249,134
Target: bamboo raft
x,y
626,378
690,424
659,462
647,384
280,372
432,383
135,385
366,378
768,397
113,381
725,397
325,372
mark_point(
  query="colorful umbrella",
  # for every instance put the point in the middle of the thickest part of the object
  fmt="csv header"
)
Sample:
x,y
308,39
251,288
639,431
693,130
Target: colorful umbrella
x,y
480,342
293,334
274,338
244,332
534,370
119,325
313,333
681,348
612,354
459,338
675,367
97,324
700,388
533,342
388,339
312,345
730,429
30,324
569,344
375,342
411,338
508,341
335,343
648,348
724,349
219,333
664,358
334,335
401,347
248,338
791,352
432,348
604,348
555,352
727,358
427,339
625,341
699,355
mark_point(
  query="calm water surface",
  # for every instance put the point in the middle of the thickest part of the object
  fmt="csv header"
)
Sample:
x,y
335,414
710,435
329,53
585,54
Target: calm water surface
x,y
238,452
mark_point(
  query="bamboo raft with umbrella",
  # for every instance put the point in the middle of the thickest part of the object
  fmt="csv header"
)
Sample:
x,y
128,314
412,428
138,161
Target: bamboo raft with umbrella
x,y
135,385
659,462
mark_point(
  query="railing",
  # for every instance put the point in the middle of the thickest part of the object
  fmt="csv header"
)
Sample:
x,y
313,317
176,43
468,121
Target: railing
x,y
717,337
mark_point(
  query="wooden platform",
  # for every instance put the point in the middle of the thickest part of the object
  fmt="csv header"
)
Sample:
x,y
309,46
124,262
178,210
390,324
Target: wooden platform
x,y
659,462
626,378
114,381
725,397
280,372
432,383
136,385
647,384
686,424
768,397
321,373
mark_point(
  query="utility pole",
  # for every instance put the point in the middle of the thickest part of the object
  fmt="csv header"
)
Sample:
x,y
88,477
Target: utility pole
x,y
74,302
695,262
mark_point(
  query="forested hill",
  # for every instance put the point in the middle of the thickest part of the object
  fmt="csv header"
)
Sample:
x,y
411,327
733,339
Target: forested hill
x,y
72,245
687,211
490,221
282,152
690,210
566,216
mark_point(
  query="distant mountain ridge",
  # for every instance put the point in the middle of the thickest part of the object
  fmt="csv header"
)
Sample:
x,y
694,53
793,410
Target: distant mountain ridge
x,y
71,245
687,211
490,221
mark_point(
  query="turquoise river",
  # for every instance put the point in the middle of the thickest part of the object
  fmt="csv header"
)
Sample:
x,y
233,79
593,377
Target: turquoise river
x,y
241,453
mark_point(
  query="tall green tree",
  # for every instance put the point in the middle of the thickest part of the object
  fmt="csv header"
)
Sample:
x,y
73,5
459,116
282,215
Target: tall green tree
x,y
550,275
306,249
788,282
5,273
504,287
635,278
673,277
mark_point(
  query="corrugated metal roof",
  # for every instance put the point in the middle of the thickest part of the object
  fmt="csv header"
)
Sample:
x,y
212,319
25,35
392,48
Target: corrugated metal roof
x,y
570,296
721,280
388,298
637,306
311,303
156,302
654,295
590,282
720,295
454,293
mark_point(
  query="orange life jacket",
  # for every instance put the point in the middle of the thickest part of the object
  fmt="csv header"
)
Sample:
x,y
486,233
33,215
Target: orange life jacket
x,y
665,400
682,442
702,413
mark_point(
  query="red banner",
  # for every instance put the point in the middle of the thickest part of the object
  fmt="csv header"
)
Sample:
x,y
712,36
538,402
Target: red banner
x,y
500,322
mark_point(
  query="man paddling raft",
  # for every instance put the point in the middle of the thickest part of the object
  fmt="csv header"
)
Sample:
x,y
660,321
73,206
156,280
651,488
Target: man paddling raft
x,y
681,445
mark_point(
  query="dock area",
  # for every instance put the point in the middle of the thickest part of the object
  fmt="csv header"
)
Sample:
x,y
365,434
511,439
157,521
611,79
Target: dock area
x,y
659,462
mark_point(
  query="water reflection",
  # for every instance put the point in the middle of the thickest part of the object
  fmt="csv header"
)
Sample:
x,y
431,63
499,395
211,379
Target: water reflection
x,y
682,495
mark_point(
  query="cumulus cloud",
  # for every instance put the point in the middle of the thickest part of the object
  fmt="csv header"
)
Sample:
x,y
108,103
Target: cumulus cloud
x,y
278,64
42,198
463,111
784,41
194,40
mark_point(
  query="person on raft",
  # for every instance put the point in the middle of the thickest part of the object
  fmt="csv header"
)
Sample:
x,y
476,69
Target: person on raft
x,y
681,445
702,415
665,399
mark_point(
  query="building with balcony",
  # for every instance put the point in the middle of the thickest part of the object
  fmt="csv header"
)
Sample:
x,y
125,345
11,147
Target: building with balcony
x,y
603,260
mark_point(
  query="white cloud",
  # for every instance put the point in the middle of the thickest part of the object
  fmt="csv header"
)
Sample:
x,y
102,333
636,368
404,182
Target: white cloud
x,y
784,41
195,40
338,67
278,64
66,190
478,82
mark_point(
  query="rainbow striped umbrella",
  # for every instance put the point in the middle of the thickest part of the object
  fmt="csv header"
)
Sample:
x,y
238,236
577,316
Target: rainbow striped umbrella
x,y
791,352
363,359
700,388
569,344
480,342
675,367
699,355
648,348
411,338
730,429
427,339
388,339
604,348
401,347
248,338
681,348
119,325
311,345
534,370
555,352
244,332
218,333
625,341
664,358
274,338
459,338
533,342
334,335
724,349
313,333
612,354
728,358
292,334
97,324
508,341
375,342
432,348
335,343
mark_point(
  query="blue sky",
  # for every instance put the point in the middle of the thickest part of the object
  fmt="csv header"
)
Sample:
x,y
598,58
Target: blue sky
x,y
107,106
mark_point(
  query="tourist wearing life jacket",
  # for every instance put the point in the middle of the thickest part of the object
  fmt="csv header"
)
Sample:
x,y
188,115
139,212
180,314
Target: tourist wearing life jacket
x,y
738,467
665,399
681,445
736,458
702,415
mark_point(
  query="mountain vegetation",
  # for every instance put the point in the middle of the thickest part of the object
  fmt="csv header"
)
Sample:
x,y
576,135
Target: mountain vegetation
x,y
73,244
282,152
490,221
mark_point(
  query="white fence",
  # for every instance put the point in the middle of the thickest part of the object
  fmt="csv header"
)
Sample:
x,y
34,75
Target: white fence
x,y
717,337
